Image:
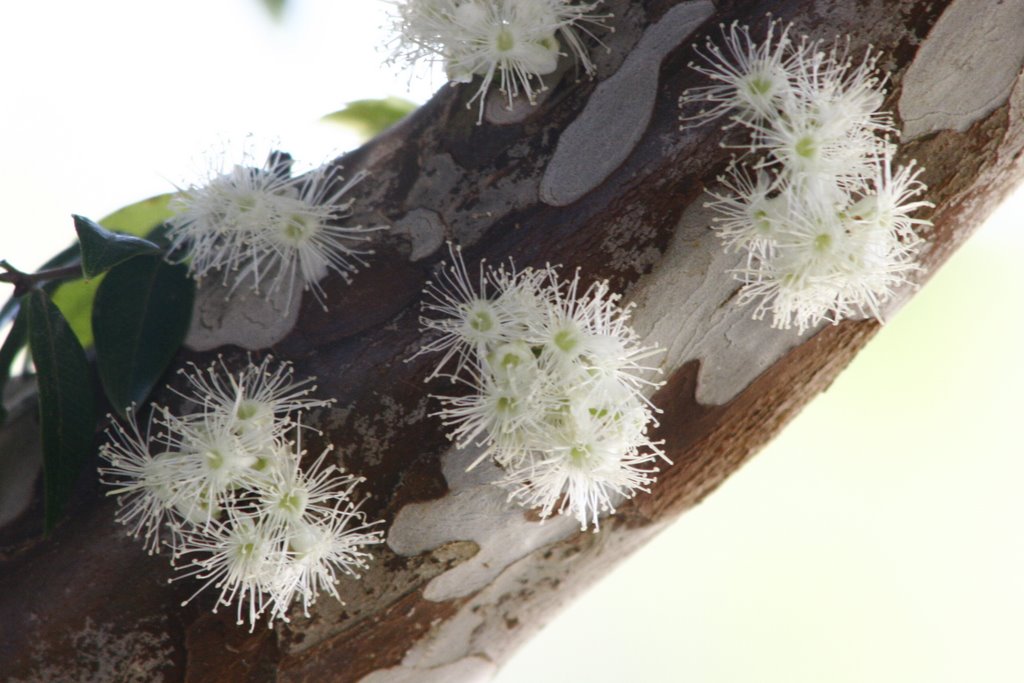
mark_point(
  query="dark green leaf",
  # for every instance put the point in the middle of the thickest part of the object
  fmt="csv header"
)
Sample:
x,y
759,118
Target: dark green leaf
x,y
369,117
17,337
142,313
102,249
75,298
15,342
66,411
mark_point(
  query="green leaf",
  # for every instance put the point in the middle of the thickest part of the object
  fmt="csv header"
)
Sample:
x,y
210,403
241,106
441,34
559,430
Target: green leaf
x,y
66,405
275,7
370,117
75,298
142,313
17,336
16,340
102,249
141,217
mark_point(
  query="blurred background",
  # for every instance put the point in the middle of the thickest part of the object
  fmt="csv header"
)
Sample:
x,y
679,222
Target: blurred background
x,y
878,539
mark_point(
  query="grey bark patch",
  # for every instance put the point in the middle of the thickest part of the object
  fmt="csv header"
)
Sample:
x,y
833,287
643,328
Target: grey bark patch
x,y
524,595
497,111
619,111
465,670
242,318
474,510
686,304
965,68
425,229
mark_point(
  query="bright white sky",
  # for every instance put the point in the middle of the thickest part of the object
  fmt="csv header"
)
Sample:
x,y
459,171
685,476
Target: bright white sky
x,y
913,573
110,101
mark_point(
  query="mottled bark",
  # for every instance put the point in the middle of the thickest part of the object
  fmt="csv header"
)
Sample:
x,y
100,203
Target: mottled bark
x,y
465,578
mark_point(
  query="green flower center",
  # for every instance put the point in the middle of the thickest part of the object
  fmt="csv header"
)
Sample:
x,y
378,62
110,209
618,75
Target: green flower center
x,y
761,221
759,85
297,227
805,147
550,43
246,410
481,321
505,40
579,454
291,502
214,459
566,340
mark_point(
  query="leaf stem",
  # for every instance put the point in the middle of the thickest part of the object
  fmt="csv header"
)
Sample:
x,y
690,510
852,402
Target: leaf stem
x,y
26,282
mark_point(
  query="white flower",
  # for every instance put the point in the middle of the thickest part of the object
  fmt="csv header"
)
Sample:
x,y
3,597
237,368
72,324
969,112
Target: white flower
x,y
829,263
590,462
472,317
824,221
749,210
749,79
591,330
290,495
145,483
239,557
259,401
318,551
513,41
226,480
262,228
553,392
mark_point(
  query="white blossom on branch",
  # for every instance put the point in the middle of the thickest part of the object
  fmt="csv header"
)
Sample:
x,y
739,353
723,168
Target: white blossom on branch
x,y
554,393
222,486
512,42
263,229
813,200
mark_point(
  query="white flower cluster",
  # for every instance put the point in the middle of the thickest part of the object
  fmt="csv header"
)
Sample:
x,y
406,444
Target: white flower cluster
x,y
265,229
826,224
222,487
555,379
515,41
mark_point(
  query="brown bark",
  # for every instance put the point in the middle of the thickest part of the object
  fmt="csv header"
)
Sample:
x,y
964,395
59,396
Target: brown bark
x,y
87,603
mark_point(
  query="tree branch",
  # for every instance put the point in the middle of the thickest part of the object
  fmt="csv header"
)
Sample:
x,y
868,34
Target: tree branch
x,y
464,577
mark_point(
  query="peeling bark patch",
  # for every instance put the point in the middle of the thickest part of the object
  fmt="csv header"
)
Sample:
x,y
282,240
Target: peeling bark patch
x,y
474,510
619,111
242,318
686,305
388,581
466,670
965,68
426,232
497,111
498,619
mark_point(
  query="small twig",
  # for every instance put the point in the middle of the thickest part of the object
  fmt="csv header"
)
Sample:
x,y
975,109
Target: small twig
x,y
25,282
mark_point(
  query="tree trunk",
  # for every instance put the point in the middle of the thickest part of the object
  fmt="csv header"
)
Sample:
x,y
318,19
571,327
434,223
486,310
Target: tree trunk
x,y
597,176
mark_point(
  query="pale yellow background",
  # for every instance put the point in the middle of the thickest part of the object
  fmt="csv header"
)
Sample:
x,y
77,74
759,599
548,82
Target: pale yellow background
x,y
878,540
